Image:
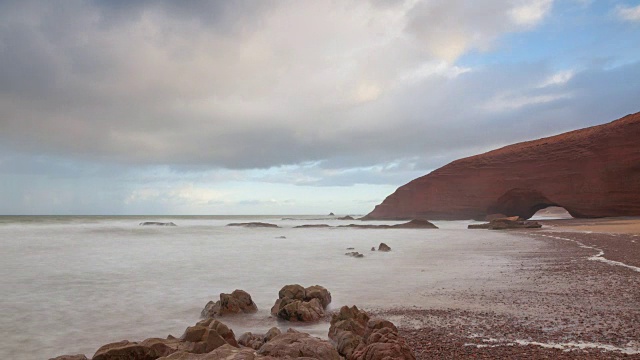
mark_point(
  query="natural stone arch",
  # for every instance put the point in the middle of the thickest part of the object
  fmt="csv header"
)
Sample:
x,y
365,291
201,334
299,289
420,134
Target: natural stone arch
x,y
521,202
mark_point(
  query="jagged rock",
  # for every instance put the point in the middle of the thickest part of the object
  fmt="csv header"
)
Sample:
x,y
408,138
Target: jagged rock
x,y
254,224
238,302
70,357
157,223
359,338
296,303
591,172
384,247
255,341
299,345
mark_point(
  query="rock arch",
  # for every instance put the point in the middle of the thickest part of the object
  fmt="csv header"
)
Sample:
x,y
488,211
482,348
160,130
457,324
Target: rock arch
x,y
522,202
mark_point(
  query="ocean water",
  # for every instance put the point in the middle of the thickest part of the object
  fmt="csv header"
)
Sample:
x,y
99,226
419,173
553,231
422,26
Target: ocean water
x,y
72,284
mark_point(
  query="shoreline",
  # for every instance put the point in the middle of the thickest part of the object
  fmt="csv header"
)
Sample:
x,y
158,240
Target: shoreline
x,y
575,297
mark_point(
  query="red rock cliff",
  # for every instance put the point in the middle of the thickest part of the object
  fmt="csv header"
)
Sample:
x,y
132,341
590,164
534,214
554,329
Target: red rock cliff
x,y
592,172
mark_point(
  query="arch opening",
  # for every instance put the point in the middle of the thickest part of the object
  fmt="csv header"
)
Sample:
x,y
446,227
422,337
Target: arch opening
x,y
520,202
552,213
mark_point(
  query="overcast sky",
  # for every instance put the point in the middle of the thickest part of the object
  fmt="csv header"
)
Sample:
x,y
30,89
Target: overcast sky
x,y
288,107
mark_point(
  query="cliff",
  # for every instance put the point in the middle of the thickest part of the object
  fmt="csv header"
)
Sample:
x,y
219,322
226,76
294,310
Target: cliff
x,y
592,172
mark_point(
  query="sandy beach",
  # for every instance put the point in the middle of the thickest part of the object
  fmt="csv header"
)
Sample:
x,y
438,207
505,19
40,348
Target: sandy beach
x,y
574,296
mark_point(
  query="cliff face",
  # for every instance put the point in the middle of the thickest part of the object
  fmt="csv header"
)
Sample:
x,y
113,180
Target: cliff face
x,y
592,172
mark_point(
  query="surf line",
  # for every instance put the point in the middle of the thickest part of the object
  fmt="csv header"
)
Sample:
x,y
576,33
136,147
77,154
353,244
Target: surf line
x,y
597,257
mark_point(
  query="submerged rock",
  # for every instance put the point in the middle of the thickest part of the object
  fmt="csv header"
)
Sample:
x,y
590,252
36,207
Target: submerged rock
x,y
311,226
354,254
254,224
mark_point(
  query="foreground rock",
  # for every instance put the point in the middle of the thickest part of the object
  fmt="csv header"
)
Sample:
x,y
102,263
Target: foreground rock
x,y
295,303
358,337
238,302
513,222
591,172
255,341
299,345
157,223
254,224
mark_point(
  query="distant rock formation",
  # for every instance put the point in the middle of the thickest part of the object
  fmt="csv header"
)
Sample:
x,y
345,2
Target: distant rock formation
x,y
592,172
254,224
157,223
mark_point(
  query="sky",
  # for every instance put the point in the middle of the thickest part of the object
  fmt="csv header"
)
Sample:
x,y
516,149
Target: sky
x,y
116,107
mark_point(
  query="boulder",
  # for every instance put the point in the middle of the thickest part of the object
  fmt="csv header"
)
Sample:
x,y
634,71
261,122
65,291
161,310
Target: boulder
x,y
296,303
254,224
299,345
373,248
238,302
226,352
384,247
318,292
298,310
348,319
592,172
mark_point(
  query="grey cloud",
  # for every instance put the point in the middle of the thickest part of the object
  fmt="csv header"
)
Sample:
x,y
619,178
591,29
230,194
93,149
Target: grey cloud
x,y
181,85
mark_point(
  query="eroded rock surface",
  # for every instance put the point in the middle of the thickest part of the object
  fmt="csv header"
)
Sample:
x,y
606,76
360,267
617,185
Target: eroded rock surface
x,y
358,337
592,172
299,345
296,303
238,302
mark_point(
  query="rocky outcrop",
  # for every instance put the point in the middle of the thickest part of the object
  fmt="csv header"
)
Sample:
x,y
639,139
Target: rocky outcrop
x,y
358,337
157,223
593,172
295,303
254,224
311,226
354,254
514,222
238,302
348,217
413,224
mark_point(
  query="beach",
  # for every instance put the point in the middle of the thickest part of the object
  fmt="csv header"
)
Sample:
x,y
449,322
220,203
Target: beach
x,y
574,296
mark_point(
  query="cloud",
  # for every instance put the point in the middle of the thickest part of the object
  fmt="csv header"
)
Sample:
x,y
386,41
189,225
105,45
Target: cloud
x,y
628,13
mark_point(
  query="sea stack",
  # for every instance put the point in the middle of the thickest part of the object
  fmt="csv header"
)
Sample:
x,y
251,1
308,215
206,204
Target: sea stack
x,y
592,172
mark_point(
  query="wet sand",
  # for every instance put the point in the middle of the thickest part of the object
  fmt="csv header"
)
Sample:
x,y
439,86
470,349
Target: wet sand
x,y
573,295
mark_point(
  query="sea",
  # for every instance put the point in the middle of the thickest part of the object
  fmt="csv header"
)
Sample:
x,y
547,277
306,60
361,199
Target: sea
x,y
70,284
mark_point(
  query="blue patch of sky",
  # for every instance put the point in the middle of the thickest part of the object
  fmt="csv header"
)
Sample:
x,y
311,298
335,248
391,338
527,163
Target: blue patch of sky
x,y
573,36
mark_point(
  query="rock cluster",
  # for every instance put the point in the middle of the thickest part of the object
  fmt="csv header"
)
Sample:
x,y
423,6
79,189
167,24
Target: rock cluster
x,y
513,222
591,172
238,302
358,337
296,303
